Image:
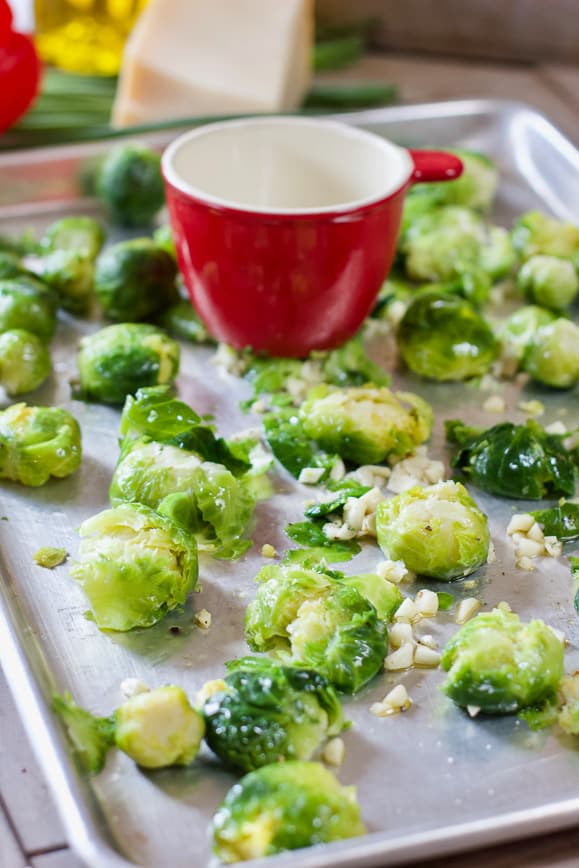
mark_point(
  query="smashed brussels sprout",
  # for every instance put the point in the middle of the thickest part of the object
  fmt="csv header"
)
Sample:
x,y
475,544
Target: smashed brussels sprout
x,y
134,280
24,361
501,665
203,495
159,728
130,185
37,443
442,244
24,305
71,275
117,360
284,806
267,713
552,355
519,461
443,337
385,596
85,235
438,531
366,425
549,281
318,622
134,566
518,330
535,233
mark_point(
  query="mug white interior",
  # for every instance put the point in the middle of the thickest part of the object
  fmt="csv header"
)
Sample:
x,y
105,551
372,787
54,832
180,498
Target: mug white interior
x,y
286,165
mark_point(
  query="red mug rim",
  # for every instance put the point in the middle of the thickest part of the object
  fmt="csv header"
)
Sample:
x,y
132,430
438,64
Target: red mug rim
x,y
191,193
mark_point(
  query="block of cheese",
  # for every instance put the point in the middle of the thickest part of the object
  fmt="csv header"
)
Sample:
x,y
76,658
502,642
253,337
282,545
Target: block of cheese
x,y
209,57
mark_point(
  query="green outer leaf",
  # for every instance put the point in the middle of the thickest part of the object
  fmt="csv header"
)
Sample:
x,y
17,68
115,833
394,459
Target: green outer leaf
x,y
561,521
325,508
291,445
91,736
310,534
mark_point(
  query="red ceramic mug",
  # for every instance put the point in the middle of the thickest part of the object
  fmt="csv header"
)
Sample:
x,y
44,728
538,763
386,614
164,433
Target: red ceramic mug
x,y
286,227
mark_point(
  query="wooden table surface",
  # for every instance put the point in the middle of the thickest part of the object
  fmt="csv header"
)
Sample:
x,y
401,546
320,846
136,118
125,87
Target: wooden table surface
x,y
31,833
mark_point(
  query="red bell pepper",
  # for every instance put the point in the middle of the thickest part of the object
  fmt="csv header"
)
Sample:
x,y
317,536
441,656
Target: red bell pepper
x,y
19,70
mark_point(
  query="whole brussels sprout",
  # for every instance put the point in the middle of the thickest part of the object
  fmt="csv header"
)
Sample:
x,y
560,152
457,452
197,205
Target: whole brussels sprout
x,y
365,424
85,235
24,306
117,360
70,274
284,806
438,531
37,443
443,337
134,566
535,233
549,281
552,356
159,728
441,244
24,361
130,185
267,713
218,506
324,624
134,280
518,330
182,321
518,461
498,257
501,665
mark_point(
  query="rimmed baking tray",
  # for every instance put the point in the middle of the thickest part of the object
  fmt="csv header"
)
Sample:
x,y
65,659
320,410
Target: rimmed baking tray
x,y
431,781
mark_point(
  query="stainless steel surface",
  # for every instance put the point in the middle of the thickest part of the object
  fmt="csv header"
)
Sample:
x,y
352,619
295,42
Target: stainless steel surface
x,y
431,781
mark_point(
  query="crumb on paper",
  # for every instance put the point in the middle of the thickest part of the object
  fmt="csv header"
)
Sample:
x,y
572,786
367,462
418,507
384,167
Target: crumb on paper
x,y
203,619
334,752
495,404
268,551
532,408
130,687
49,557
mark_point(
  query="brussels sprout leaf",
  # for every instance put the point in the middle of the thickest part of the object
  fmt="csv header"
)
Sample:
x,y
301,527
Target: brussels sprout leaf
x,y
445,601
310,534
324,508
291,445
349,365
91,736
561,521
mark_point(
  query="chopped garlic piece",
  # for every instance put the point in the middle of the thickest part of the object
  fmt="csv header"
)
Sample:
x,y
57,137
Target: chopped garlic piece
x,y
473,710
535,532
529,548
229,360
311,475
526,564
553,546
533,408
400,634
426,603
133,687
520,522
428,640
268,551
402,658
338,470
406,611
492,555
394,571
209,689
504,606
495,404
427,657
334,752
556,428
259,406
418,469
466,609
395,701
354,512
333,530
203,619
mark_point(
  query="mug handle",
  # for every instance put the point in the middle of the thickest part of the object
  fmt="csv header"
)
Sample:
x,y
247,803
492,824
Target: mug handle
x,y
434,166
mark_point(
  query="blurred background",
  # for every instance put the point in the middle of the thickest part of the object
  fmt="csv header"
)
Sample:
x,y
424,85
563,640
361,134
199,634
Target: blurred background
x,y
366,54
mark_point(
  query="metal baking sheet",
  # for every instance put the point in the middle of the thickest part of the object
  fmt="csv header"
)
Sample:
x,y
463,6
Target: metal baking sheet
x,y
431,781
